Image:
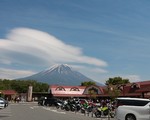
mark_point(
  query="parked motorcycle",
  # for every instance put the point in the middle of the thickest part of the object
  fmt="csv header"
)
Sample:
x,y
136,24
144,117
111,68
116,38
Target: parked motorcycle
x,y
104,111
59,104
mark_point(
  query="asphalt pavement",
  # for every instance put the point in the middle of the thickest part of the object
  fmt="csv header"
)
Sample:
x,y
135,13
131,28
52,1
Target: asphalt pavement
x,y
31,111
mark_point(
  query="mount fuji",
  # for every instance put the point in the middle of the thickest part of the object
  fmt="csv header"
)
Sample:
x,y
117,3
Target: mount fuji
x,y
59,75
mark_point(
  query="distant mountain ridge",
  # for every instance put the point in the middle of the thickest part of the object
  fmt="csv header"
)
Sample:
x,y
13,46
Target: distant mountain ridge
x,y
61,74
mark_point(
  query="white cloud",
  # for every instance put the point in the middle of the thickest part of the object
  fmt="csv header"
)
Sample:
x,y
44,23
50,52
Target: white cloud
x,y
99,70
5,61
132,78
90,69
103,77
11,73
24,46
29,42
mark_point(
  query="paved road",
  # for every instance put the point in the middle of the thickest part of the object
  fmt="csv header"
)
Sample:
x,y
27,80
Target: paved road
x,y
31,111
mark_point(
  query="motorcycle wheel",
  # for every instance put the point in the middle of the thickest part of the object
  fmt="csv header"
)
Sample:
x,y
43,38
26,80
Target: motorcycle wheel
x,y
57,107
106,112
112,115
82,111
97,114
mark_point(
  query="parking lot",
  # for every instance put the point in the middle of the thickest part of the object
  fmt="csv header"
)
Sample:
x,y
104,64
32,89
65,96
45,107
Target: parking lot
x,y
31,111
89,115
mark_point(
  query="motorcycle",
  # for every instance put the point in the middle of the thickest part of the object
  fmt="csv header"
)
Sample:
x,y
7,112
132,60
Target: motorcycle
x,y
104,111
59,104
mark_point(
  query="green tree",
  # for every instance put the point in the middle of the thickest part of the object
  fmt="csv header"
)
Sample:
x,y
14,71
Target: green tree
x,y
112,84
21,86
88,83
117,81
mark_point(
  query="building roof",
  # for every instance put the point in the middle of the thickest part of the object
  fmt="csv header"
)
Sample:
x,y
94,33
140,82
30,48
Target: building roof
x,y
144,89
73,91
58,90
131,89
144,82
9,92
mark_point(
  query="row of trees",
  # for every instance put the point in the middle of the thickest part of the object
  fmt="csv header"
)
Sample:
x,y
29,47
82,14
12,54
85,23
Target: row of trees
x,y
21,86
110,81
112,85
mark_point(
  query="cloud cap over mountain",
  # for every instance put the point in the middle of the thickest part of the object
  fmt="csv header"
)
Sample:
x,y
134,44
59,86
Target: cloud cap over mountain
x,y
44,47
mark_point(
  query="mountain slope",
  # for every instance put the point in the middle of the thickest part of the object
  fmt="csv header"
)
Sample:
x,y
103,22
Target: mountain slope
x,y
60,75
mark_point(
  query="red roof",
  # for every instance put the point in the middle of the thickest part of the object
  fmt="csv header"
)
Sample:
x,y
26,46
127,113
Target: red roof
x,y
55,86
74,91
144,82
9,92
130,89
66,90
144,89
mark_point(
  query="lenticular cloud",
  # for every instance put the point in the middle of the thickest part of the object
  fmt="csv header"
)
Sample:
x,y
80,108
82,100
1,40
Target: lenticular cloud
x,y
28,45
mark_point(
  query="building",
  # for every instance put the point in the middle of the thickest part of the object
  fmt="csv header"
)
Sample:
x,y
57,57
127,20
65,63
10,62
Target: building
x,y
136,89
75,91
8,94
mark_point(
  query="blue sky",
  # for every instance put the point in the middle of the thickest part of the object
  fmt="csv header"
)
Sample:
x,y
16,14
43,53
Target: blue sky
x,y
99,38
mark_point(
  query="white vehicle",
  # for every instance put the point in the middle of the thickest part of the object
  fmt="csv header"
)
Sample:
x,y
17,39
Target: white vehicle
x,y
132,109
5,101
2,104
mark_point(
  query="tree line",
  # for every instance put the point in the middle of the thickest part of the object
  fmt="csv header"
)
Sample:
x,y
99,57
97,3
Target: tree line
x,y
112,86
21,86
110,81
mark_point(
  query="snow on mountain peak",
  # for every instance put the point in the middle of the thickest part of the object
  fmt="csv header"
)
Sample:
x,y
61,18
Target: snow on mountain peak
x,y
60,68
